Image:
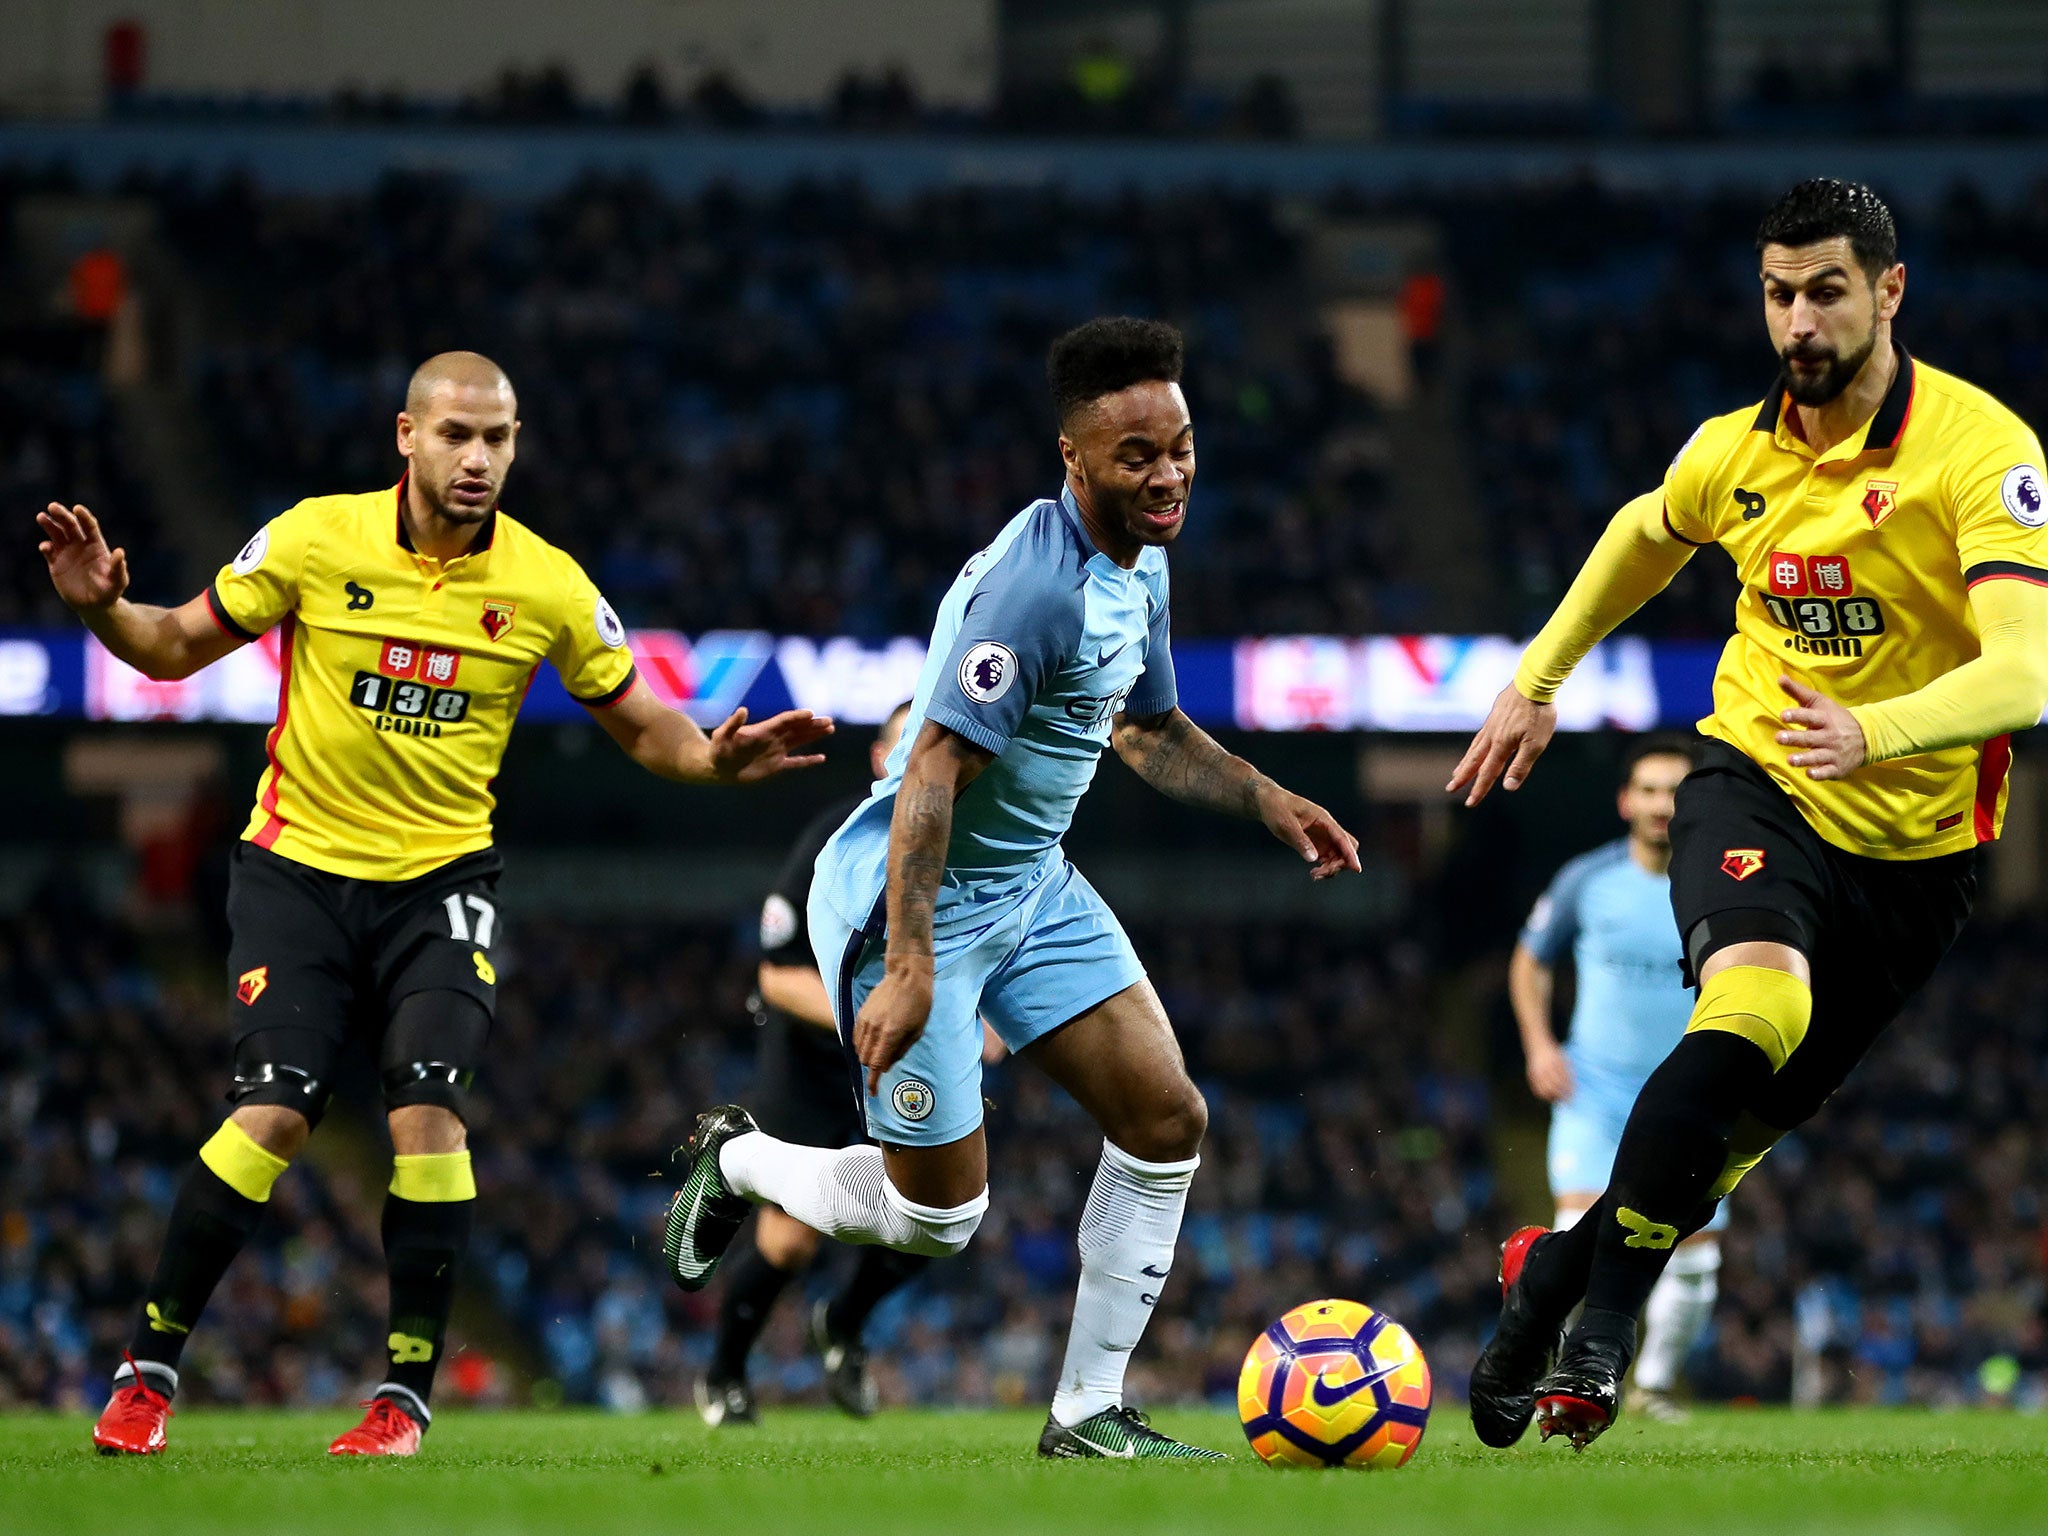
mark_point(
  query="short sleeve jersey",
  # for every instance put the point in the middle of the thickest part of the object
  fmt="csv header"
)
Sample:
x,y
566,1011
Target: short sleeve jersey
x,y
1041,641
400,676
1613,918
1856,566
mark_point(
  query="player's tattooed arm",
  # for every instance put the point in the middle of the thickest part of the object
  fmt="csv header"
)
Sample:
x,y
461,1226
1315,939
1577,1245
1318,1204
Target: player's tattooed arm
x,y
941,765
1185,763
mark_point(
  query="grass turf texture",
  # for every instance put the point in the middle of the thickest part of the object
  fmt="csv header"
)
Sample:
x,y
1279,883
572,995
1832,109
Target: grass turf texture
x,y
973,1474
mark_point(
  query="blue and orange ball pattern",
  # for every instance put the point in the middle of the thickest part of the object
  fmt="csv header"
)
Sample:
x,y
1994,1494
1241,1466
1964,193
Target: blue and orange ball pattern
x,y
1334,1384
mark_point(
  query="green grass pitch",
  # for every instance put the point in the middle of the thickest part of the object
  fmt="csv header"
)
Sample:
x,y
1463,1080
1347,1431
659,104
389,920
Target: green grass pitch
x,y
973,1474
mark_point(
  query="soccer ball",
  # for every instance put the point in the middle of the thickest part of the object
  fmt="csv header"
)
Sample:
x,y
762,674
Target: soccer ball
x,y
1334,1384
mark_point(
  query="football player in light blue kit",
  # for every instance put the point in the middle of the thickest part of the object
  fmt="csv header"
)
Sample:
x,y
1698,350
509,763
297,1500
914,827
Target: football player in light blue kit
x,y
1610,910
946,897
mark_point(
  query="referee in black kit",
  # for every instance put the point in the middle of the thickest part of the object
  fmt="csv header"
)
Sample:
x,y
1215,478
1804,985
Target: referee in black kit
x,y
804,1093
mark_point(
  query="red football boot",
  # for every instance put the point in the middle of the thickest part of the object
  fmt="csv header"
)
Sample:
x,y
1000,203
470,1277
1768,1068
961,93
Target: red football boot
x,y
132,1423
386,1430
1514,1253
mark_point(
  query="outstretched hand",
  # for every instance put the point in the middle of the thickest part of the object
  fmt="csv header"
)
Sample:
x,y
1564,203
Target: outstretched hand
x,y
1516,731
1309,830
1830,741
84,571
746,754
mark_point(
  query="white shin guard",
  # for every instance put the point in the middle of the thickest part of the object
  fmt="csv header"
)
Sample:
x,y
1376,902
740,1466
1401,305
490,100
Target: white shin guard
x,y
845,1193
1128,1233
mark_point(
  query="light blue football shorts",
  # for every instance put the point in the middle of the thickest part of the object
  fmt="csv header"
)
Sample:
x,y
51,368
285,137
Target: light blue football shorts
x,y
1585,1134
1027,964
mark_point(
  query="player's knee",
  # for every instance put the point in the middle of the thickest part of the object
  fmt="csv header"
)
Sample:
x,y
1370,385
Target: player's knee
x,y
1173,1131
933,1231
1769,1008
279,1131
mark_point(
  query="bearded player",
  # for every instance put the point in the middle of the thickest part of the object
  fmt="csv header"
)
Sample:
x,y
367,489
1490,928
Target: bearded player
x,y
1886,520
363,897
1610,911
946,897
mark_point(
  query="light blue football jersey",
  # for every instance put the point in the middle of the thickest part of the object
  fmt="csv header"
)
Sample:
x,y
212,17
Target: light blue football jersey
x,y
1614,918
1041,640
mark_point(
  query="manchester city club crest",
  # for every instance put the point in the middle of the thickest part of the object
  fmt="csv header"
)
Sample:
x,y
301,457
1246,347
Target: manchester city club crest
x,y
913,1099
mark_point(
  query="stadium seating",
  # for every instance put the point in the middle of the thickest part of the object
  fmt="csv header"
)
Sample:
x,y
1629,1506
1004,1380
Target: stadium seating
x,y
797,412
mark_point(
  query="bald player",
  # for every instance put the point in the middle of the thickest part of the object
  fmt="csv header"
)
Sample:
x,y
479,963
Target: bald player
x,y
363,897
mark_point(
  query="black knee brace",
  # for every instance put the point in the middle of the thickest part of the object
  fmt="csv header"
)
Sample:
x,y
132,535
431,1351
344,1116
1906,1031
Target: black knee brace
x,y
432,1049
291,1068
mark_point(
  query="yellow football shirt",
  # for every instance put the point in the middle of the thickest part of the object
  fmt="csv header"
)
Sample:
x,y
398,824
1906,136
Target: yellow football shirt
x,y
401,676
1856,566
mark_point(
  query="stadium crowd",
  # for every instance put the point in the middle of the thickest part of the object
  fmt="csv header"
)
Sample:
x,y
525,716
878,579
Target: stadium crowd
x,y
1892,1253
797,411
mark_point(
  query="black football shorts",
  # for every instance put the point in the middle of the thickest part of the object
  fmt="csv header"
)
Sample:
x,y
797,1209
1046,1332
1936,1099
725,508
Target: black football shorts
x,y
806,1085
1746,865
318,960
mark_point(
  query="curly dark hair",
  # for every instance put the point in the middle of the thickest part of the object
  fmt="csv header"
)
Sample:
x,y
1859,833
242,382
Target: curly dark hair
x,y
1824,208
1107,355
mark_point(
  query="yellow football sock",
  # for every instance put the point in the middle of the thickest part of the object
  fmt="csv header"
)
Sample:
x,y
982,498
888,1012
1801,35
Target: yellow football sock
x,y
1768,1008
433,1177
238,1162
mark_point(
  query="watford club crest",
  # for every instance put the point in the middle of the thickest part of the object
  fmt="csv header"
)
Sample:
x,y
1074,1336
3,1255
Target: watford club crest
x,y
1741,863
250,984
1880,500
497,620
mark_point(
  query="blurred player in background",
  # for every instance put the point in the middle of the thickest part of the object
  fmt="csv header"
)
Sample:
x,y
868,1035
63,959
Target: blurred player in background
x,y
1887,521
363,897
946,897
1610,912
804,1093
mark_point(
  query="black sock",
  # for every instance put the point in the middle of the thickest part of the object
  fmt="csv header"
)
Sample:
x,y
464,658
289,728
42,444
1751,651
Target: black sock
x,y
1673,1150
423,1241
209,1224
751,1288
880,1271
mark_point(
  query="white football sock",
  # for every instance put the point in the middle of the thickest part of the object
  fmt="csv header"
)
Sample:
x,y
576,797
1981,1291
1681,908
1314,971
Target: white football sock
x,y
155,1375
845,1193
1678,1309
1128,1232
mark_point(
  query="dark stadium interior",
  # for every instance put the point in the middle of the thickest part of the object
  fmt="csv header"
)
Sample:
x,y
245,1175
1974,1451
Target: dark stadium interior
x,y
793,401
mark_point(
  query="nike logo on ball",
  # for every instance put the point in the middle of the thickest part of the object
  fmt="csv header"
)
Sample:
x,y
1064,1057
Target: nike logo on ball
x,y
1326,1396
